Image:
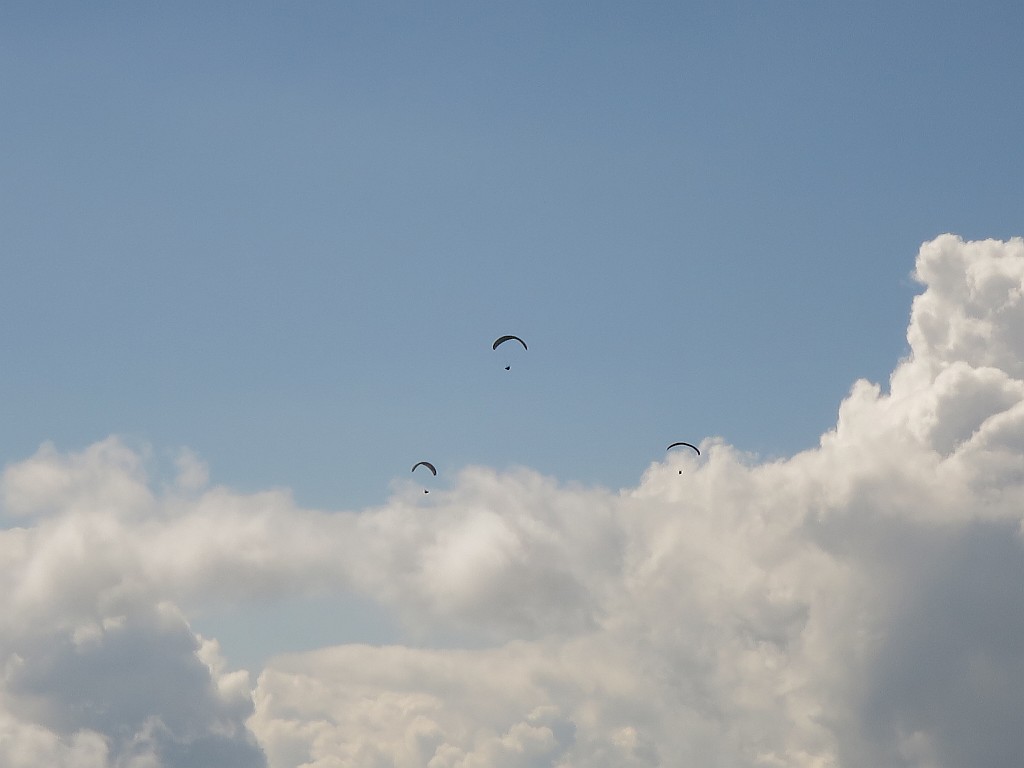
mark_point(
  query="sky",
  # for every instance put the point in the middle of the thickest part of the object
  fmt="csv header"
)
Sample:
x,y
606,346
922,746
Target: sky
x,y
254,257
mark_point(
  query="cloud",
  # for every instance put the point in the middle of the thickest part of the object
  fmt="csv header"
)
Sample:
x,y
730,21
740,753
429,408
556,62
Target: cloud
x,y
857,604
142,683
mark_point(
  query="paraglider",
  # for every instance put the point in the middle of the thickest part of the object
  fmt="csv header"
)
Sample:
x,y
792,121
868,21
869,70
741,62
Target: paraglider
x,y
502,339
688,445
428,465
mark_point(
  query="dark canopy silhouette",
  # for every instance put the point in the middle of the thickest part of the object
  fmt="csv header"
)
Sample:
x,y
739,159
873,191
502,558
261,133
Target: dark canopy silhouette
x,y
688,445
426,464
503,339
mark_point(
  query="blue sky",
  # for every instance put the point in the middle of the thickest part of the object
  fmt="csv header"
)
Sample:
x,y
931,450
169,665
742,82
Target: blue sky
x,y
284,236
255,254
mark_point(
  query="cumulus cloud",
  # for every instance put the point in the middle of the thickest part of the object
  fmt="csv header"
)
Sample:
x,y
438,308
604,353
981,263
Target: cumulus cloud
x,y
858,604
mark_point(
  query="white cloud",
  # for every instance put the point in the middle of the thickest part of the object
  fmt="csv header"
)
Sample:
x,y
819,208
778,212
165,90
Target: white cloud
x,y
858,604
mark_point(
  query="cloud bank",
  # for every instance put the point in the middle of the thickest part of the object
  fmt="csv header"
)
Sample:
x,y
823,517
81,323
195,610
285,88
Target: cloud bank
x,y
859,604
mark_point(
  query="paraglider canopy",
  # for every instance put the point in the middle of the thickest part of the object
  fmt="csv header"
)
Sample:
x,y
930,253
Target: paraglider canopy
x,y
502,339
688,445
